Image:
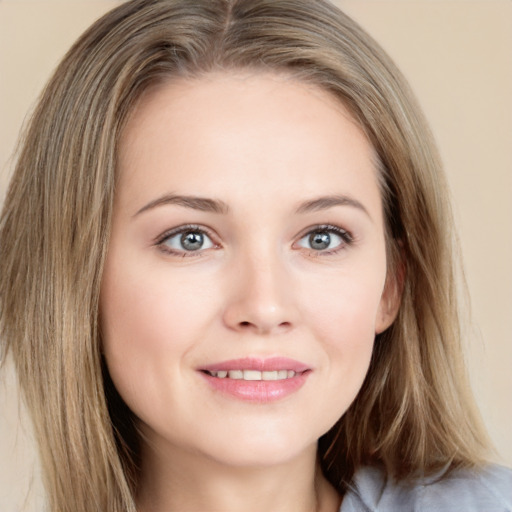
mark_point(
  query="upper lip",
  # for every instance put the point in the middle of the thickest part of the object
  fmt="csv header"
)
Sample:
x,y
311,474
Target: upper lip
x,y
256,363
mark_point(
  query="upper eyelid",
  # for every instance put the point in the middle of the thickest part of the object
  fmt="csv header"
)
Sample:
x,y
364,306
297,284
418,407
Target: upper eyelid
x,y
345,235
182,229
215,238
325,227
161,242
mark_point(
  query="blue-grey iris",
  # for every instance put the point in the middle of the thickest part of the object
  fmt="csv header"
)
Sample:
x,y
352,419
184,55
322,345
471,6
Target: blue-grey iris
x,y
320,240
192,241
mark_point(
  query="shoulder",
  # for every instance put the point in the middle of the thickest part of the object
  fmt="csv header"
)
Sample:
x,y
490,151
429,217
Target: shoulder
x,y
480,490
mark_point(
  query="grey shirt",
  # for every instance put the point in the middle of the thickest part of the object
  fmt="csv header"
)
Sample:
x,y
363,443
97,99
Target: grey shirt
x,y
487,490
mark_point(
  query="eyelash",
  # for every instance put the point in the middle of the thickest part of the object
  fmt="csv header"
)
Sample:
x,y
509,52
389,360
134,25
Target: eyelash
x,y
188,228
346,237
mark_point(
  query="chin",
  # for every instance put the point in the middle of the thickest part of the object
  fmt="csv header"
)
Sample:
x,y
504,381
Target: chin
x,y
260,448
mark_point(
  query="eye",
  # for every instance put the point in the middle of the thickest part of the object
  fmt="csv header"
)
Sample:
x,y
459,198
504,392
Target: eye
x,y
186,239
327,239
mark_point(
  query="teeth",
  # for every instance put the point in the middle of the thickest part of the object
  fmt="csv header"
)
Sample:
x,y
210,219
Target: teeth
x,y
254,374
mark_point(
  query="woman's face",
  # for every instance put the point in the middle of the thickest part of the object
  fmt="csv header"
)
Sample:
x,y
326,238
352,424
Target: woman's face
x,y
246,272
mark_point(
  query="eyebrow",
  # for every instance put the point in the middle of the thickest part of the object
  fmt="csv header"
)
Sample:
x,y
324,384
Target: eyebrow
x,y
196,203
216,206
326,202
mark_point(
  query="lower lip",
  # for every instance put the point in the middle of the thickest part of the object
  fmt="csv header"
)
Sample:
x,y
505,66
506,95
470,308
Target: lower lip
x,y
260,391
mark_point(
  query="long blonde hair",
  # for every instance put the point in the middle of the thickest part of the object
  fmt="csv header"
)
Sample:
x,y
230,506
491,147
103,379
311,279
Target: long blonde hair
x,y
414,414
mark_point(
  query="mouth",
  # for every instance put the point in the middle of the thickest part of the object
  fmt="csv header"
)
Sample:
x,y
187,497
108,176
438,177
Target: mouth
x,y
253,375
257,380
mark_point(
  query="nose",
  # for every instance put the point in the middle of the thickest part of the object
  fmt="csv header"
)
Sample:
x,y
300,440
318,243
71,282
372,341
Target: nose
x,y
261,296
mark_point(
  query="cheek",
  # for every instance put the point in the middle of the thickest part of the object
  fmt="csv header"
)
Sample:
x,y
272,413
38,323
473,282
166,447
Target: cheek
x,y
346,307
146,306
148,329
343,317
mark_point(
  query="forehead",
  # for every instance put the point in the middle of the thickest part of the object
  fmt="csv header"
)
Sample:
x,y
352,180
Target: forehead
x,y
223,99
259,131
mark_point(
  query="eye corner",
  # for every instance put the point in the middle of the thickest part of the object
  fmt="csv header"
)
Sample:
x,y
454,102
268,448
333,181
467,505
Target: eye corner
x,y
326,234
172,241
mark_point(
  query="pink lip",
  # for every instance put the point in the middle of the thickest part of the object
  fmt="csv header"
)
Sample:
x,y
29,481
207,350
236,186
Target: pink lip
x,y
258,391
262,365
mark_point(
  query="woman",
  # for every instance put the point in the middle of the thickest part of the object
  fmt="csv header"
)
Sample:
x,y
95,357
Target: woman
x,y
232,285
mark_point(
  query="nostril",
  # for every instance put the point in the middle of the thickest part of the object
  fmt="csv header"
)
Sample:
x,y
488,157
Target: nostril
x,y
246,324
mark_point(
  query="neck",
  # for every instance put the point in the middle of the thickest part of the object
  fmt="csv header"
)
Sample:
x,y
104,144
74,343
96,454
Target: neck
x,y
185,482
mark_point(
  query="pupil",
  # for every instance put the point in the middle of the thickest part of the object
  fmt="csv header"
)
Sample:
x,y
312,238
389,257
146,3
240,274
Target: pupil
x,y
192,241
320,240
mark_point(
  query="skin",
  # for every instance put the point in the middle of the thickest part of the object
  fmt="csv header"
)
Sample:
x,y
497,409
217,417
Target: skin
x,y
265,146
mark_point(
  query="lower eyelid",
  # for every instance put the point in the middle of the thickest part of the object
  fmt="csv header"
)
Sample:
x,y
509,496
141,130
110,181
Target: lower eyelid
x,y
345,236
160,241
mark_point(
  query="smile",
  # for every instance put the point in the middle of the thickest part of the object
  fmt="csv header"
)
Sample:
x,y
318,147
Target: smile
x,y
257,380
253,374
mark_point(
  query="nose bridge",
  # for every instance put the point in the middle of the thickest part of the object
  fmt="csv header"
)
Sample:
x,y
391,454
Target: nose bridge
x,y
261,298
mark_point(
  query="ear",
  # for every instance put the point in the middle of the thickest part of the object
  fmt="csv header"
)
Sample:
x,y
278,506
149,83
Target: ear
x,y
391,298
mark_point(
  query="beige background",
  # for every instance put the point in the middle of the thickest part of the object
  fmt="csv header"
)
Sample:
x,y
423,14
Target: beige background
x,y
457,55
